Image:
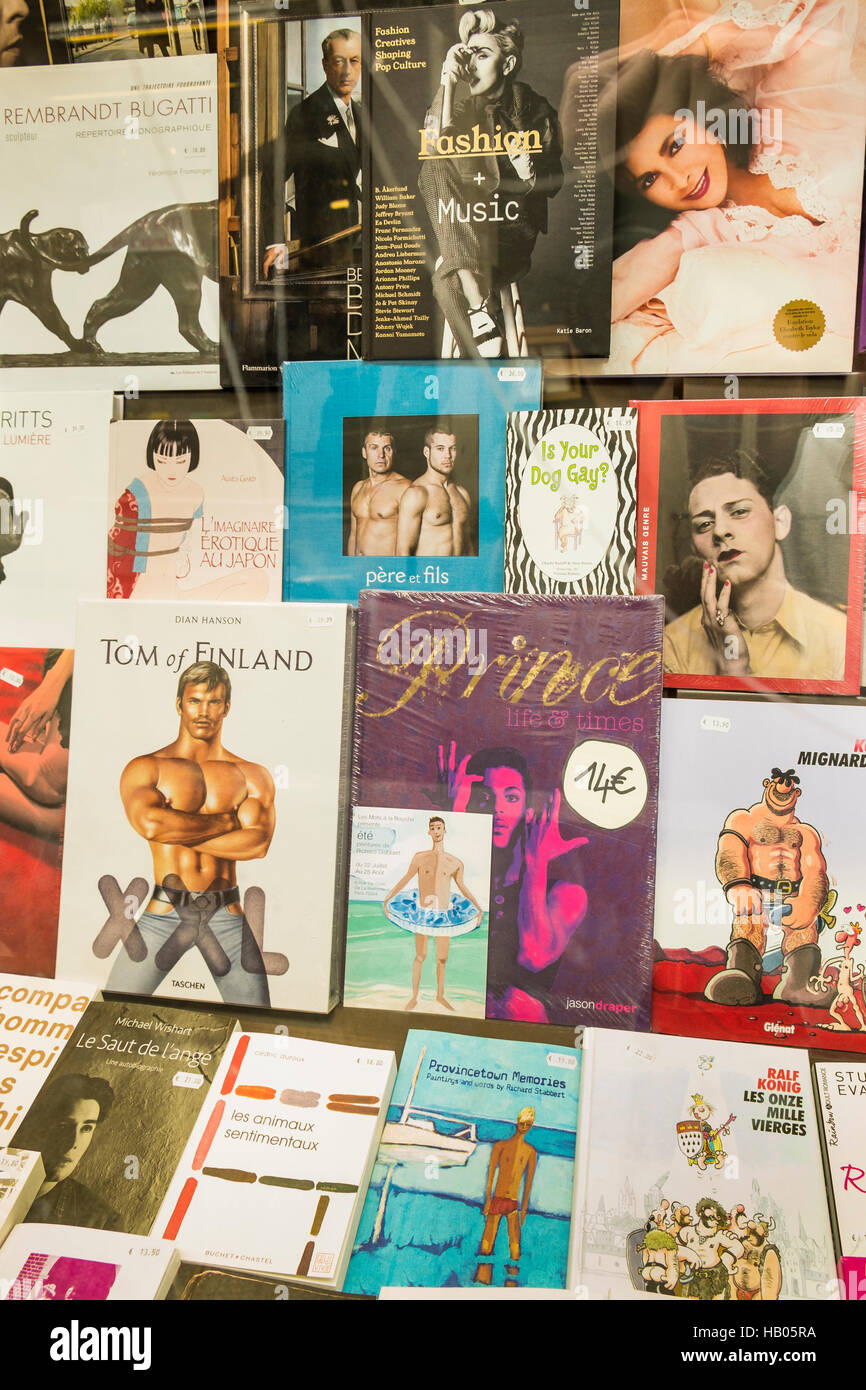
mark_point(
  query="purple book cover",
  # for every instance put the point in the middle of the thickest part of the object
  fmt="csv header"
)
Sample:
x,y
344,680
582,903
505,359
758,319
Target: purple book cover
x,y
541,714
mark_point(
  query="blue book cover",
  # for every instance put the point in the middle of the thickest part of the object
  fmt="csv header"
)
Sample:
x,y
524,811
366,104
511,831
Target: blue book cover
x,y
396,474
473,1180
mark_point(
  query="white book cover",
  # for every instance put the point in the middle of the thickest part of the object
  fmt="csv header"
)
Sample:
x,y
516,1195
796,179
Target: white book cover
x,y
840,1091
21,1175
570,501
47,1263
698,1173
37,1018
108,225
276,1171
759,881
204,855
196,510
53,491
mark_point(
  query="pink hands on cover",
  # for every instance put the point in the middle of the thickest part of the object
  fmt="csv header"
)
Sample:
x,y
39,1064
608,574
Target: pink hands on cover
x,y
544,840
453,777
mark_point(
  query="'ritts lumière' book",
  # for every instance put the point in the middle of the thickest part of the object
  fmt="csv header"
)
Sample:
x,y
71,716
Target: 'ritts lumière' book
x,y
205,855
698,1173
504,783
473,1181
112,1120
759,879
54,462
275,1173
570,502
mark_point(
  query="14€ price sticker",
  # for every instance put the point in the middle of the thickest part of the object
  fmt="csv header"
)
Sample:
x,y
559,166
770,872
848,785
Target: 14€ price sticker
x,y
605,783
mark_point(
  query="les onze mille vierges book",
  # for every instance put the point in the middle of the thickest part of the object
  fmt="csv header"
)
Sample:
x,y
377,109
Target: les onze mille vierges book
x,y
537,718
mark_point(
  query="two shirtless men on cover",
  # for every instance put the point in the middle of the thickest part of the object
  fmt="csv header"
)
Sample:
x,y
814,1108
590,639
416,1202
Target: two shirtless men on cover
x,y
201,809
392,515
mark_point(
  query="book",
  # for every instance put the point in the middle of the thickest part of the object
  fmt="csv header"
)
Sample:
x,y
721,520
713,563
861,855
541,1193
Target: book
x,y
698,1173
487,227
292,192
712,276
479,1129
112,1120
536,718
758,891
395,474
38,1018
205,843
196,1283
570,501
35,713
275,1173
750,525
65,1264
213,537
49,531
21,1176
114,290
839,1091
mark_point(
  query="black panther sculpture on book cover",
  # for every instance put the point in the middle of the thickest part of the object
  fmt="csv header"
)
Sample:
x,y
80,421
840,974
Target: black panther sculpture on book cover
x,y
174,247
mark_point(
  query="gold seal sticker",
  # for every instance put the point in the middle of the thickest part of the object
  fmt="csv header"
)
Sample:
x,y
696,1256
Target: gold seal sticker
x,y
799,325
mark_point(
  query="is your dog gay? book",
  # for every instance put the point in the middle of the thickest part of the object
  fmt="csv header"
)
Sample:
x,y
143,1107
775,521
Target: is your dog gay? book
x,y
504,785
108,225
395,474
698,1173
196,510
473,1180
205,856
65,1264
49,525
112,1120
759,878
570,502
840,1092
276,1170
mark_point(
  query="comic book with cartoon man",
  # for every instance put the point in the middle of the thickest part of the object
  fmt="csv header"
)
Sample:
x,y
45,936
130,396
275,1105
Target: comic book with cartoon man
x,y
698,1173
760,897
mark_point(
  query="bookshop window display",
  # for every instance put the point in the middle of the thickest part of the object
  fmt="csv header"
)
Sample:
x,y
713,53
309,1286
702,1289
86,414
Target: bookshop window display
x,y
445,670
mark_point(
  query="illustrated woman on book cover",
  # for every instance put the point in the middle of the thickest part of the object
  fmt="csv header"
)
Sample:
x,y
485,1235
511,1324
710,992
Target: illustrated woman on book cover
x,y
158,520
485,249
739,172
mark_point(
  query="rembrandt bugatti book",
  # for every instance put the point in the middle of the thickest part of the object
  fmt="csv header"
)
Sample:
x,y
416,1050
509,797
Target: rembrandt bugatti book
x,y
108,224
203,846
487,225
505,778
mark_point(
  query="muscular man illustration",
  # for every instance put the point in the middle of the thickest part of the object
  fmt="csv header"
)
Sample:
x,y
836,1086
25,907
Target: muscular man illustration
x,y
435,512
201,809
717,1249
376,498
512,1165
435,869
772,869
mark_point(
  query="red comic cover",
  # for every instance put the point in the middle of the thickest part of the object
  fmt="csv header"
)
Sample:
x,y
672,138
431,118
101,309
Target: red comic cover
x,y
751,518
35,699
